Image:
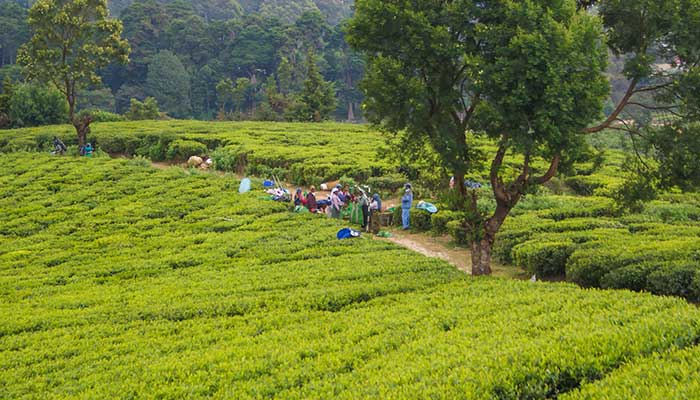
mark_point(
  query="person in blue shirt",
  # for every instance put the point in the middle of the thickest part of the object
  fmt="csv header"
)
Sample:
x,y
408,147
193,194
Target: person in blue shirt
x,y
406,203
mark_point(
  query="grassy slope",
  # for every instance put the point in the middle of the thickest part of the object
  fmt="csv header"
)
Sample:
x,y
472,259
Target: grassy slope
x,y
117,280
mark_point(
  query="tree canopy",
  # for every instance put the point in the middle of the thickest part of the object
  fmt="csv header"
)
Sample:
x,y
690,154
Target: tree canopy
x,y
526,74
71,40
169,83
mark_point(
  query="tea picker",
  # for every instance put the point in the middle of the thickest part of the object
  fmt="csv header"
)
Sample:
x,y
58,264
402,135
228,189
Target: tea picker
x,y
59,146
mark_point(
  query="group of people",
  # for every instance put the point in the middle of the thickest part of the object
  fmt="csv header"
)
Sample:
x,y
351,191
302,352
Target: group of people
x,y
340,198
60,148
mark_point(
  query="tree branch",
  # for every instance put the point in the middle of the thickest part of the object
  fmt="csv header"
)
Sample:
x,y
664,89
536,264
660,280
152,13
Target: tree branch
x,y
668,109
496,184
620,106
553,166
652,88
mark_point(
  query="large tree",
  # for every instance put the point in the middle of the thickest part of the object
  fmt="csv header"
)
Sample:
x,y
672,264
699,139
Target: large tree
x,y
169,83
527,74
71,40
316,101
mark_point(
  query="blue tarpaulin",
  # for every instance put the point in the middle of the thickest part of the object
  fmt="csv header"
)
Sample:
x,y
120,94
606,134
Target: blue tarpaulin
x,y
347,233
245,186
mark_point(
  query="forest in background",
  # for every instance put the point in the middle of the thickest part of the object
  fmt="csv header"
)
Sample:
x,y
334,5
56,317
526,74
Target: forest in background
x,y
215,59
256,51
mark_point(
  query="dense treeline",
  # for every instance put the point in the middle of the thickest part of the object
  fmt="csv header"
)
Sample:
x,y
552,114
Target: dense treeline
x,y
245,61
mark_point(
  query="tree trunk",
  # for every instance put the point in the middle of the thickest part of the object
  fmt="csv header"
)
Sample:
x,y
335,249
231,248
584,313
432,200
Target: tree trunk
x,y
481,257
351,114
482,249
82,127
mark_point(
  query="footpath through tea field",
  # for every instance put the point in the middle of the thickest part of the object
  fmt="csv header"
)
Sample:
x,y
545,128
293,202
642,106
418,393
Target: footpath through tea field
x,y
118,280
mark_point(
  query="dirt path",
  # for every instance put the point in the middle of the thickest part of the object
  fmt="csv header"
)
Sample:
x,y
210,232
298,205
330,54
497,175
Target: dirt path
x,y
436,247
442,248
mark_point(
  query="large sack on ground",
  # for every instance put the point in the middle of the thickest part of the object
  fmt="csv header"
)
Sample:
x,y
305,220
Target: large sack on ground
x,y
195,161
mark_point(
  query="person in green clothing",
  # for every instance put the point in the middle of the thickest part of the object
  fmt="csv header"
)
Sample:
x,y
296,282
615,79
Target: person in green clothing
x,y
86,150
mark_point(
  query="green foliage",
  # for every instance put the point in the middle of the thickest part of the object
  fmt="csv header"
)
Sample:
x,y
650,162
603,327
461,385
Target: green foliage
x,y
183,149
230,159
100,99
71,41
34,105
439,77
169,83
298,153
155,146
317,98
459,232
14,30
172,266
546,259
8,90
148,109
439,220
103,116
663,375
387,182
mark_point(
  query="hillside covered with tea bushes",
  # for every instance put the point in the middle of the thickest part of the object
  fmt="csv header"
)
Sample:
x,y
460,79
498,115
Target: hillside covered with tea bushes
x,y
298,153
573,228
118,280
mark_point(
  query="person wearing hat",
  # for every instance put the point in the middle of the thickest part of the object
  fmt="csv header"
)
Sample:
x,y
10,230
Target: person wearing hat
x,y
336,203
375,207
406,203
311,203
299,198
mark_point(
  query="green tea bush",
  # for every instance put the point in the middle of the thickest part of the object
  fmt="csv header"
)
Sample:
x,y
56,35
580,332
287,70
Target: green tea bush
x,y
390,182
584,207
229,159
439,220
673,374
587,266
155,146
632,277
521,229
675,280
672,212
546,259
152,283
183,149
126,144
459,232
139,161
419,219
103,116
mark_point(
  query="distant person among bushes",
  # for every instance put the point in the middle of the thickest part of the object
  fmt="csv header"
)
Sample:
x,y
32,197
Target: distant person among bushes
x,y
59,146
375,207
299,199
311,203
336,203
86,150
406,203
364,205
347,196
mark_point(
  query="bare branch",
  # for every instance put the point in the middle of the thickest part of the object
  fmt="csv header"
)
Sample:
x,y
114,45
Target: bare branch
x,y
620,106
653,87
496,182
553,166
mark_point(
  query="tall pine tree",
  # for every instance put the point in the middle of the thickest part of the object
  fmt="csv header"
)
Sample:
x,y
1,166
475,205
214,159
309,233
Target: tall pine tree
x,y
316,101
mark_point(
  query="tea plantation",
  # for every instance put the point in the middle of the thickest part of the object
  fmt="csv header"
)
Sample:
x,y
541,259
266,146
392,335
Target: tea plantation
x,y
121,281
573,229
